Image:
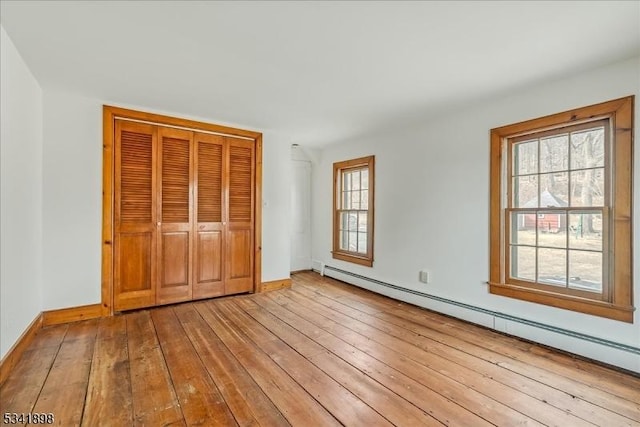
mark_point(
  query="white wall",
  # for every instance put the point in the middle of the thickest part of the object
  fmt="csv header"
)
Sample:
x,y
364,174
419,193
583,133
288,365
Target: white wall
x,y
276,206
432,195
21,195
73,201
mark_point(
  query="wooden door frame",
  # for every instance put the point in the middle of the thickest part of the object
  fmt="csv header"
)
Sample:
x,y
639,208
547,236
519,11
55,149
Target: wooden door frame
x,y
109,115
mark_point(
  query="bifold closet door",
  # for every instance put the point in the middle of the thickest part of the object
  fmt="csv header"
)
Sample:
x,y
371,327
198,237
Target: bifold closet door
x,y
210,215
184,215
135,216
175,223
240,223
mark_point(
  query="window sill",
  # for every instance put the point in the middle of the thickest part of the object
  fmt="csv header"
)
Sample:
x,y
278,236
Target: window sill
x,y
567,302
362,260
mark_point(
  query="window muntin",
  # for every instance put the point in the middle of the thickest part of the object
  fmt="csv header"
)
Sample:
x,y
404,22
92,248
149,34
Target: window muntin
x,y
590,205
556,205
353,210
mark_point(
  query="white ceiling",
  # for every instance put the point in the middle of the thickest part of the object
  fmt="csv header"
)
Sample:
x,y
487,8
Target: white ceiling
x,y
318,72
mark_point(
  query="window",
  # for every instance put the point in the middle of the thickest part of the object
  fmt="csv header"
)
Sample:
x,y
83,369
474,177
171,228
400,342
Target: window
x,y
353,182
561,210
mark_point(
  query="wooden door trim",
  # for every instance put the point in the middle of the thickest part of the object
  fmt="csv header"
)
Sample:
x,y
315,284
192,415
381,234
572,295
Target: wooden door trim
x,y
109,115
257,220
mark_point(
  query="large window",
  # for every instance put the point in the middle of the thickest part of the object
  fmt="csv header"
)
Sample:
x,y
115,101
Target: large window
x,y
353,185
561,210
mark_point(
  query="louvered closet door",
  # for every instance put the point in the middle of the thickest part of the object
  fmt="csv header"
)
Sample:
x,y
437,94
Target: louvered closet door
x,y
239,236
210,216
175,221
134,276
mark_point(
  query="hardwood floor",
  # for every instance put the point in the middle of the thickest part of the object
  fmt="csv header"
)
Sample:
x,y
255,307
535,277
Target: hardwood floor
x,y
320,353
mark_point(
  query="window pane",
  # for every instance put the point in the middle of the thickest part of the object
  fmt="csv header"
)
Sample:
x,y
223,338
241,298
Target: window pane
x,y
554,190
585,230
349,221
353,221
585,270
346,181
525,192
355,200
344,240
364,199
587,149
344,221
587,187
523,262
362,243
552,229
525,157
365,178
355,180
353,241
346,200
554,153
523,228
552,266
362,221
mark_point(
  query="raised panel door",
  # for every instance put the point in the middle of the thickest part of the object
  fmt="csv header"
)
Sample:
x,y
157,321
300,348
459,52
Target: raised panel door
x,y
175,196
240,208
210,215
135,239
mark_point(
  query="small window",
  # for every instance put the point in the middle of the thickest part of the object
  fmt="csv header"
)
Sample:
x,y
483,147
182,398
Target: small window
x,y
561,210
353,210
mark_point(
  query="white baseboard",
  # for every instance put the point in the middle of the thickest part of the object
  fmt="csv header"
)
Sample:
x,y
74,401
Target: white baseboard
x,y
616,354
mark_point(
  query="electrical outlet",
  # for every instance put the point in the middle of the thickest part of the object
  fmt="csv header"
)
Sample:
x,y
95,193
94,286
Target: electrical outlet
x,y
424,276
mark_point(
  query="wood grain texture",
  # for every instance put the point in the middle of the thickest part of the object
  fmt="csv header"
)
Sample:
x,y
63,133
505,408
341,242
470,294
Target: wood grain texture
x,y
441,409
376,394
134,216
108,173
154,166
200,400
257,226
295,405
64,391
616,300
210,215
72,314
239,238
136,176
154,396
14,354
19,393
175,177
175,216
339,169
339,401
240,182
109,395
447,365
246,400
179,122
209,177
275,285
319,353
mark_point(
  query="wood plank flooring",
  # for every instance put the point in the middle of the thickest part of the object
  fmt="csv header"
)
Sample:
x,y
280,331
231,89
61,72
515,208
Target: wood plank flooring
x,y
319,354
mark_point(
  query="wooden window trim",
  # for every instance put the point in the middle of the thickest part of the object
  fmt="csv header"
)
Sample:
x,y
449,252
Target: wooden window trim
x,y
356,258
109,115
618,304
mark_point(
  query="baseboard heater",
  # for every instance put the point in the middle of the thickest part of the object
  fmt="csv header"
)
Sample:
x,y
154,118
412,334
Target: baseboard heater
x,y
585,337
